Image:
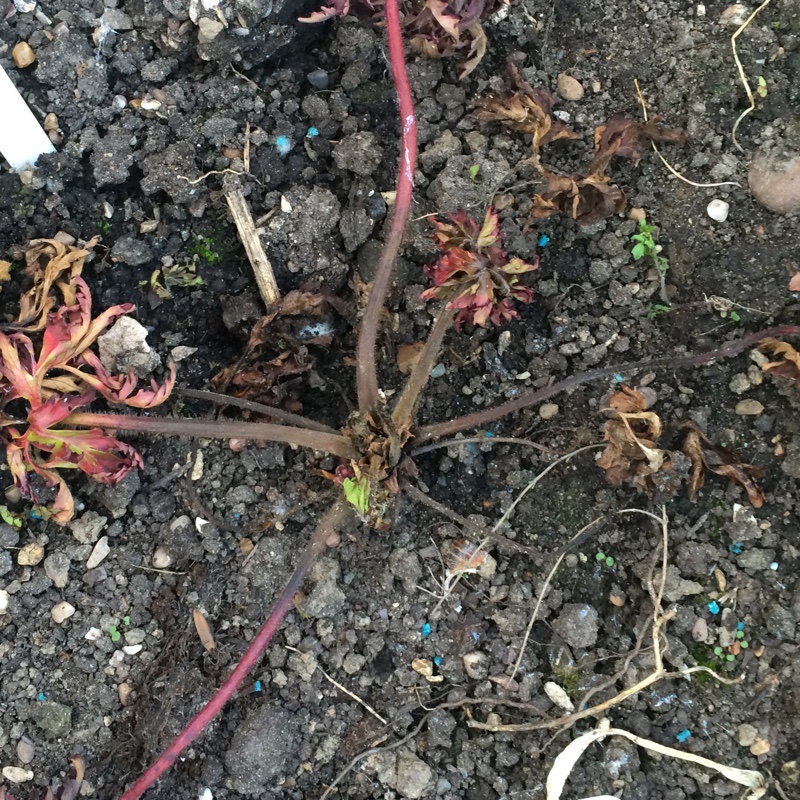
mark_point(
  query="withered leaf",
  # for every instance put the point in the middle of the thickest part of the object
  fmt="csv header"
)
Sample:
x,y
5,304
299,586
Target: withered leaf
x,y
203,630
477,50
789,367
5,271
408,355
705,455
584,199
794,283
627,138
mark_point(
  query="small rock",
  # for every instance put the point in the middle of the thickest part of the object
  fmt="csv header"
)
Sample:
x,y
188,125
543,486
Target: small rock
x,y
132,649
476,665
568,87
125,347
62,611
6,562
318,79
577,625
25,750
760,747
131,251
413,776
4,597
23,55
17,774
30,555
101,550
740,383
558,696
749,408
162,558
718,210
208,30
734,16
746,734
775,182
87,529
700,630
124,691
53,718
548,411
56,567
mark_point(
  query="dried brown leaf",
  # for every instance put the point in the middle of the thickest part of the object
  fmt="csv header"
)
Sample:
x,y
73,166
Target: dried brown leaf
x,y
477,50
408,355
203,630
722,461
627,400
5,271
50,264
297,303
627,138
584,199
789,367
794,283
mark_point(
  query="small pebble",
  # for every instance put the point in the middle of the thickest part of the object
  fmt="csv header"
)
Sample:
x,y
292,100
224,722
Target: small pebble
x,y
749,408
548,411
718,210
760,747
50,122
558,696
318,79
132,649
746,734
775,182
17,774
101,550
124,691
30,555
23,55
62,611
25,750
3,601
568,87
162,558
438,371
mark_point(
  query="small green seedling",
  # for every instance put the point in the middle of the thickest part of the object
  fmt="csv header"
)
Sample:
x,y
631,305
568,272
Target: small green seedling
x,y
104,226
607,560
203,247
473,172
656,310
761,91
15,520
356,492
114,633
182,275
646,247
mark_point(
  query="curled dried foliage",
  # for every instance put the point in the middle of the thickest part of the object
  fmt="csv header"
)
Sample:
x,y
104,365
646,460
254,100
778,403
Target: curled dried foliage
x,y
51,265
633,456
474,273
592,197
705,455
525,109
789,364
277,349
434,27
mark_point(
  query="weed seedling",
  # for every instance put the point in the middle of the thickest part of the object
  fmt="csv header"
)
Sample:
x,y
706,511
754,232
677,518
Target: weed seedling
x,y
114,633
657,310
646,247
204,248
603,558
473,172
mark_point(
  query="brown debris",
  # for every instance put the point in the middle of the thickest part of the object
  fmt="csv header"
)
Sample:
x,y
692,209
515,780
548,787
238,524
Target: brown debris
x,y
789,366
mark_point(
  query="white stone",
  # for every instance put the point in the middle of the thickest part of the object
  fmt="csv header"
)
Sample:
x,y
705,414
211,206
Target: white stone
x,y
162,558
62,611
558,696
3,601
17,774
133,649
101,550
718,210
93,635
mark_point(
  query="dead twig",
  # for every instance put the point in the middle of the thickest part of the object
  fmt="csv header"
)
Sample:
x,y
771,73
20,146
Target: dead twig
x,y
243,219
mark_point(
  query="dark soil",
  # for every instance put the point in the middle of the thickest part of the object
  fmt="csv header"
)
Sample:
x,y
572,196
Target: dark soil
x,y
121,170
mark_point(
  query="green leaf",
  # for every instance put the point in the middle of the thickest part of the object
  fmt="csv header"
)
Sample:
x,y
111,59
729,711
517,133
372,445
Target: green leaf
x,y
638,251
762,87
600,556
126,620
115,634
356,492
734,316
9,518
609,561
473,172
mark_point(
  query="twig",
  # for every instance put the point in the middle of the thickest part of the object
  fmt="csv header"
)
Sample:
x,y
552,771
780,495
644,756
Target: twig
x,y
240,211
542,593
742,74
346,691
418,451
668,165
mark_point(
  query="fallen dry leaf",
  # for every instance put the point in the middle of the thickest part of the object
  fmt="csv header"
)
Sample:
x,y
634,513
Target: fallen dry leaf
x,y
5,271
627,138
408,355
789,367
705,455
203,630
585,199
794,283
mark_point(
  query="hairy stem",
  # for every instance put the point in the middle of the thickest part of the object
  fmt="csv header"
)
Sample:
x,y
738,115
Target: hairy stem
x,y
529,399
211,429
403,414
252,405
366,371
330,524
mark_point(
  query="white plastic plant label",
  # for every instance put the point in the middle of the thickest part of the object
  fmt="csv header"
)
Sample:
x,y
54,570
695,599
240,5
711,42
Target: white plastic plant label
x,y
22,138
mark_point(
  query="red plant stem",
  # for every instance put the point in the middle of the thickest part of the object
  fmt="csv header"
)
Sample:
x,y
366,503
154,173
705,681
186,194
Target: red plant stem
x,y
733,348
251,405
331,443
366,357
331,523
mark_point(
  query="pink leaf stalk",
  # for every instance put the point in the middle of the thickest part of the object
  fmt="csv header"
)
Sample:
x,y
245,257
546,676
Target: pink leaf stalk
x,y
367,376
330,524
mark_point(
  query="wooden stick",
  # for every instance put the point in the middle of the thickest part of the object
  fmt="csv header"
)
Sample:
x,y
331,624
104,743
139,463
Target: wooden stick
x,y
243,219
